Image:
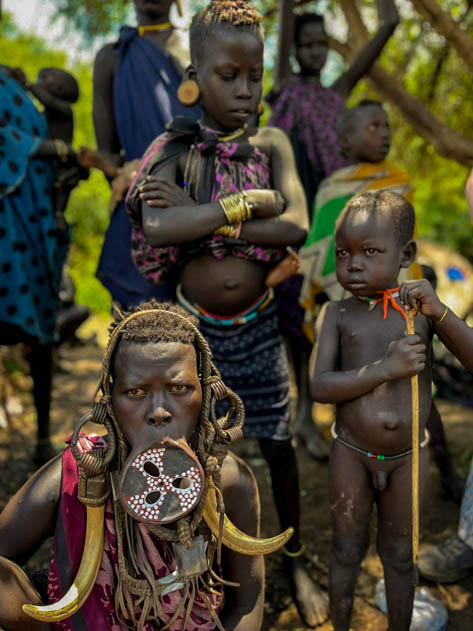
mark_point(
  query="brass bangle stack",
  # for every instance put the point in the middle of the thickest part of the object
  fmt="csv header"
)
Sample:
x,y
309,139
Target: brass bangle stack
x,y
61,149
237,210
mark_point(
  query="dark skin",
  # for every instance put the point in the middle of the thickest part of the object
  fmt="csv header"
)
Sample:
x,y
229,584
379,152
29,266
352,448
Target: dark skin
x,y
148,12
363,364
156,394
312,47
53,92
369,140
229,76
50,91
230,81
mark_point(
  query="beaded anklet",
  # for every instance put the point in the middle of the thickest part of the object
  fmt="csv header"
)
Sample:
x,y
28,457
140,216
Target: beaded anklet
x,y
374,456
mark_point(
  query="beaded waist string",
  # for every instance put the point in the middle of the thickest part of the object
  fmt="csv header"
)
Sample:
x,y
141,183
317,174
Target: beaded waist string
x,y
239,318
370,454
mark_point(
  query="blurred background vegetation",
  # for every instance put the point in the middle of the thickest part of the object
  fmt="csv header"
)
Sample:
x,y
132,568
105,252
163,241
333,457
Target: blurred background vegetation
x,y
417,57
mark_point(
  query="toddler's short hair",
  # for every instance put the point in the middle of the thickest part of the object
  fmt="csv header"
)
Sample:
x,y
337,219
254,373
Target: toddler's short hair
x,y
348,119
398,209
71,90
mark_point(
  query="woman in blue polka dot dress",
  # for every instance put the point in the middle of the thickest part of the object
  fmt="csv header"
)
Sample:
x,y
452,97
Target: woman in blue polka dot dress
x,y
32,248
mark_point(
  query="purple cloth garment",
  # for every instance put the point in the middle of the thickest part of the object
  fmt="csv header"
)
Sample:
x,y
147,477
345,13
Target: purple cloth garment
x,y
308,112
229,167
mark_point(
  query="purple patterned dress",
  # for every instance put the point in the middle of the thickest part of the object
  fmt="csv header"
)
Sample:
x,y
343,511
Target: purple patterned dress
x,y
307,112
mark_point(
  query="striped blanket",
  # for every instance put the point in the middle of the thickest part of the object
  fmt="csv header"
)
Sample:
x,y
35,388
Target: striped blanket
x,y
318,252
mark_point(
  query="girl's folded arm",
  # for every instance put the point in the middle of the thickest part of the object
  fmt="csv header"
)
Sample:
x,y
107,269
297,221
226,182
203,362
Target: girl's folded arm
x,y
289,228
173,225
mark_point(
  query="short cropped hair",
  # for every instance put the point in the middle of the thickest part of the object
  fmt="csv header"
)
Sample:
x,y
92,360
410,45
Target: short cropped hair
x,y
306,18
348,119
71,90
222,14
391,205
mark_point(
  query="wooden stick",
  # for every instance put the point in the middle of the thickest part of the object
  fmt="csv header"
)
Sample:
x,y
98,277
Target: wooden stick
x,y
415,457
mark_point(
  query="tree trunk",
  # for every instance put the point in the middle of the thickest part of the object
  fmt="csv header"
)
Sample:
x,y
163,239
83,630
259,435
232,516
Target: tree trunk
x,y
286,35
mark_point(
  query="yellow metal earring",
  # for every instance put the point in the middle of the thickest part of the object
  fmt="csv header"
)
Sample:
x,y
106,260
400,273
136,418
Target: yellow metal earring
x,y
188,93
180,8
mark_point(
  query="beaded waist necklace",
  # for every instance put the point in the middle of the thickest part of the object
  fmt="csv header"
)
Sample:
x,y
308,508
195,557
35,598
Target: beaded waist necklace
x,y
387,296
371,454
239,318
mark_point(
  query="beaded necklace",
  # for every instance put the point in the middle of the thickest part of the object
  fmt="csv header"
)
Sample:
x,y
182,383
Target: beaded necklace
x,y
387,296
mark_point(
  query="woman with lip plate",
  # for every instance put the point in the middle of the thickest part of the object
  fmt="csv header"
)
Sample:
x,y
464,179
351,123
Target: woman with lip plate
x,y
136,515
216,203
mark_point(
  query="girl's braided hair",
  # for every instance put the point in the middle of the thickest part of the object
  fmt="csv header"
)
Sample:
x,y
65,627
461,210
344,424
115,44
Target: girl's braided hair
x,y
222,14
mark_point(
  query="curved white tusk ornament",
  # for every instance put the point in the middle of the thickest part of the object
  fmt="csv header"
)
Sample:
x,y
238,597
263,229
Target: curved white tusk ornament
x,y
80,589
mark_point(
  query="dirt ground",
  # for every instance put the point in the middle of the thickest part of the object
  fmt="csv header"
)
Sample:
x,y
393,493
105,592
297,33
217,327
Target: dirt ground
x,y
73,392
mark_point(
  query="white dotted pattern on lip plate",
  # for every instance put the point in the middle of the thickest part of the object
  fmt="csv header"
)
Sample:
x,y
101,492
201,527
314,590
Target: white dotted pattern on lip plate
x,y
188,498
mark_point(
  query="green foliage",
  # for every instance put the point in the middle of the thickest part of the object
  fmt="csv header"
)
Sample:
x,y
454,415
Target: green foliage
x,y
418,58
93,17
87,210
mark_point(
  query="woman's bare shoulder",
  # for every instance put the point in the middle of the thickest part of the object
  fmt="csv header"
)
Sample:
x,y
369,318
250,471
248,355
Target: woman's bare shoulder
x,y
30,516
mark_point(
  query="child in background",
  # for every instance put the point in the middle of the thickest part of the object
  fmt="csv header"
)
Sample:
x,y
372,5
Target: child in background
x,y
158,565
216,204
365,139
307,111
362,361
57,90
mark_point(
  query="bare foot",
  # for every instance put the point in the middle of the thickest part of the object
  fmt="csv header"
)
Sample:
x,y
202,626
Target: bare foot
x,y
310,600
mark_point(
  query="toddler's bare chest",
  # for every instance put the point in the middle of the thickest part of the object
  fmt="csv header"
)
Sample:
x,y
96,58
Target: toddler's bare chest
x,y
365,337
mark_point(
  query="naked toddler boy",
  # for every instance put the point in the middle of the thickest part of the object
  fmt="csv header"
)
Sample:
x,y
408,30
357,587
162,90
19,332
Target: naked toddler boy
x,y
362,361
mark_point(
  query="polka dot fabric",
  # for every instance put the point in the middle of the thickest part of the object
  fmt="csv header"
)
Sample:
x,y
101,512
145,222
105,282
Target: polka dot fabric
x,y
32,250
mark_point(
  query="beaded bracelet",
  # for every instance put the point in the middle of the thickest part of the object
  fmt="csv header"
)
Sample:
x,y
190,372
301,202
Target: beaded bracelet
x,y
444,315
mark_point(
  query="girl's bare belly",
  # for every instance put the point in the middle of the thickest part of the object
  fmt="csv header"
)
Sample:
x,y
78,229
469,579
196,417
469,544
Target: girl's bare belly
x,y
223,287
381,421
